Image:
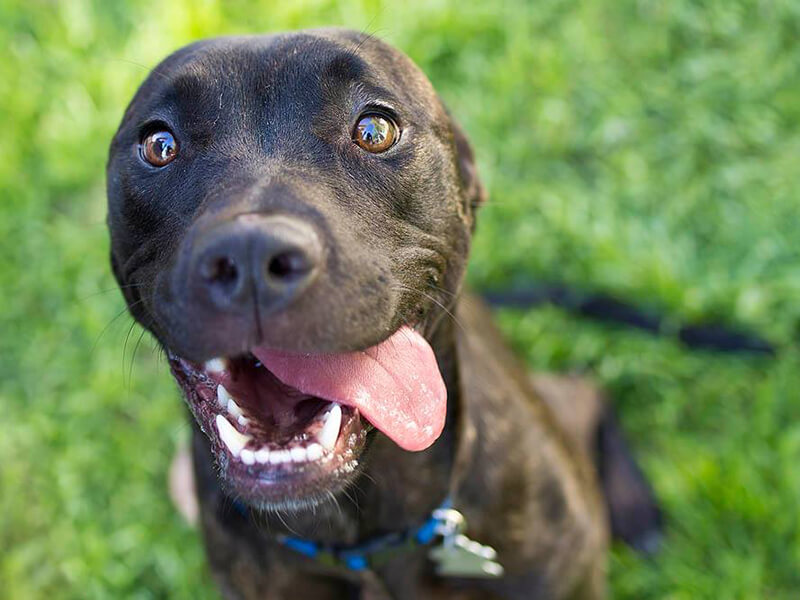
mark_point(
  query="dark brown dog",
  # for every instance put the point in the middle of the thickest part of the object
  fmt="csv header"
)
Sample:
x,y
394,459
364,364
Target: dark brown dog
x,y
291,217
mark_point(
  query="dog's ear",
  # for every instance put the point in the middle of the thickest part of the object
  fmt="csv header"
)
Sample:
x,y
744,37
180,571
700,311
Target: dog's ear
x,y
473,190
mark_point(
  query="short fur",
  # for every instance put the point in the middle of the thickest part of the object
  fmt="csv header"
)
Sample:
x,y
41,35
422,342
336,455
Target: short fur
x,y
266,123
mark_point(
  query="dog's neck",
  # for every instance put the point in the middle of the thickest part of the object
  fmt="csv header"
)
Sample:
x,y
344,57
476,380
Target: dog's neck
x,y
397,490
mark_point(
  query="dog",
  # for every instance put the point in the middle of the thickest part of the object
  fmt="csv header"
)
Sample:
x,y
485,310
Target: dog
x,y
290,217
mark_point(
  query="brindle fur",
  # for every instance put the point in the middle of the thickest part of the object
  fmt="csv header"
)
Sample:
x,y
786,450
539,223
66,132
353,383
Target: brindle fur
x,y
518,456
526,484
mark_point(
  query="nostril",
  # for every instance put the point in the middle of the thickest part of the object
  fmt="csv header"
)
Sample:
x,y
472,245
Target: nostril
x,y
288,265
221,270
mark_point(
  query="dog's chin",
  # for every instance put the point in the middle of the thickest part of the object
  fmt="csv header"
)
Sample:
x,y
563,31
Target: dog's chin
x,y
291,451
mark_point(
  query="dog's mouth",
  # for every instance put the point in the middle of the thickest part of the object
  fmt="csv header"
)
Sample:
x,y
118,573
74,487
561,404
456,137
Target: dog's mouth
x,y
290,427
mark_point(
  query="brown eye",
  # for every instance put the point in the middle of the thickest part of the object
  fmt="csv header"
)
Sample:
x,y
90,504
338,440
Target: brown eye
x,y
375,133
159,148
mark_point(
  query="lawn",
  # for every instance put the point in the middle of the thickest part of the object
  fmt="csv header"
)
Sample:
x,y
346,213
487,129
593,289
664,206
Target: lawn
x,y
642,148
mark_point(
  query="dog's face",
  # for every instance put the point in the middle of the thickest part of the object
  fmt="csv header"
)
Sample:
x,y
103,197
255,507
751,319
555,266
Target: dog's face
x,y
289,215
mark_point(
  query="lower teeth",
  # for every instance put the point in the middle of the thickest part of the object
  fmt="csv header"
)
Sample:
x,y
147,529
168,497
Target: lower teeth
x,y
236,442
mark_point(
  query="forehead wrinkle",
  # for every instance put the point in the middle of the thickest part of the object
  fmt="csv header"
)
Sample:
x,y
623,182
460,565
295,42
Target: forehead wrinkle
x,y
192,89
345,66
368,92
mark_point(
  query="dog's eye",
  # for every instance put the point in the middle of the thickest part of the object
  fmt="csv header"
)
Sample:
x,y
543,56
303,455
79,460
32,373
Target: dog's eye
x,y
159,148
375,133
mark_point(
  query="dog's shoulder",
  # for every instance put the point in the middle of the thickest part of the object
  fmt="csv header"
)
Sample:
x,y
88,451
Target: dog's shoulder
x,y
530,491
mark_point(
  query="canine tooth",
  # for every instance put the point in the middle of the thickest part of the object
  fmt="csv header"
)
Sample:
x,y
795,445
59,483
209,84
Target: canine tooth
x,y
330,429
216,365
248,456
314,451
223,397
228,403
298,454
234,440
233,408
262,456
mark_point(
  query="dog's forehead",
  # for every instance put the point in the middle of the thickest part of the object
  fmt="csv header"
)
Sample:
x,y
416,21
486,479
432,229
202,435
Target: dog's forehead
x,y
303,63
281,57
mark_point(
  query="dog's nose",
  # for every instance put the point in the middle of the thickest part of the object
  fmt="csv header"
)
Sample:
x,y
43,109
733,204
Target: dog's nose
x,y
255,261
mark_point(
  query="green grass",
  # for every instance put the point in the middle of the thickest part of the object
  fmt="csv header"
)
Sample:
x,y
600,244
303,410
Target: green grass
x,y
645,148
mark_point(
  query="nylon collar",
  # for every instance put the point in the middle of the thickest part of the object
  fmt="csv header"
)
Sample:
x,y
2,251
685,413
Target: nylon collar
x,y
371,553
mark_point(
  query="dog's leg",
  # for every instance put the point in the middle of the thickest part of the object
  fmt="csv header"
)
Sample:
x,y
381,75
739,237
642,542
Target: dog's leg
x,y
576,404
589,423
635,516
182,491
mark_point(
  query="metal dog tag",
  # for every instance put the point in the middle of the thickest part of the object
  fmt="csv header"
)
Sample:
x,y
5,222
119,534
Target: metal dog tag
x,y
459,556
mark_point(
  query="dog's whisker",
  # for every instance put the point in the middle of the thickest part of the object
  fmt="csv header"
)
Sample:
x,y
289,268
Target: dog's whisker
x,y
116,288
507,203
335,502
366,475
110,323
148,70
367,36
125,384
133,356
435,301
442,290
288,527
351,498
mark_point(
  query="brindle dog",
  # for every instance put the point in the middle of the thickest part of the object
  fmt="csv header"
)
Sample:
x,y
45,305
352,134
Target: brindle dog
x,y
290,217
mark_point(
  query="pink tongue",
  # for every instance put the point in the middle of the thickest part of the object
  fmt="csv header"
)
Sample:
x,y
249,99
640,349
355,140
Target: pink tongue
x,y
396,385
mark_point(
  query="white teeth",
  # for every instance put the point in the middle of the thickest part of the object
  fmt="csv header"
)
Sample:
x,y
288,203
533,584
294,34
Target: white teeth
x,y
330,429
248,457
223,397
226,401
234,440
314,452
216,365
233,408
279,456
298,454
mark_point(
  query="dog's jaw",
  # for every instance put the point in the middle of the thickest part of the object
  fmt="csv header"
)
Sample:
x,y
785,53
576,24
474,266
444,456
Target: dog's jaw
x,y
311,451
390,488
287,428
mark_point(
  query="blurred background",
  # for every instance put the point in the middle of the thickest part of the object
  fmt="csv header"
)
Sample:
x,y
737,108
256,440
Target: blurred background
x,y
641,148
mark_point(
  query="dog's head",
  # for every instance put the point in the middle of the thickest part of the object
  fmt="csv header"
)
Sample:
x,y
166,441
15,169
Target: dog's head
x,y
290,215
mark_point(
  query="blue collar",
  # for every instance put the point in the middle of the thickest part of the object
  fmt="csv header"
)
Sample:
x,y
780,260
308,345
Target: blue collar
x,y
371,553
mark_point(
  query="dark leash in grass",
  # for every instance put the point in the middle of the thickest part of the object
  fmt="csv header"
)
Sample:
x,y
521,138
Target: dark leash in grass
x,y
711,336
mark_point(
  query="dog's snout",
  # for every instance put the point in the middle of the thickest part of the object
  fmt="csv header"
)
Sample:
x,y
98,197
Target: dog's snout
x,y
254,262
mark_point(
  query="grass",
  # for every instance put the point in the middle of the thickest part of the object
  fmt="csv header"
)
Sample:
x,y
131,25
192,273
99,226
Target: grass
x,y
643,148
